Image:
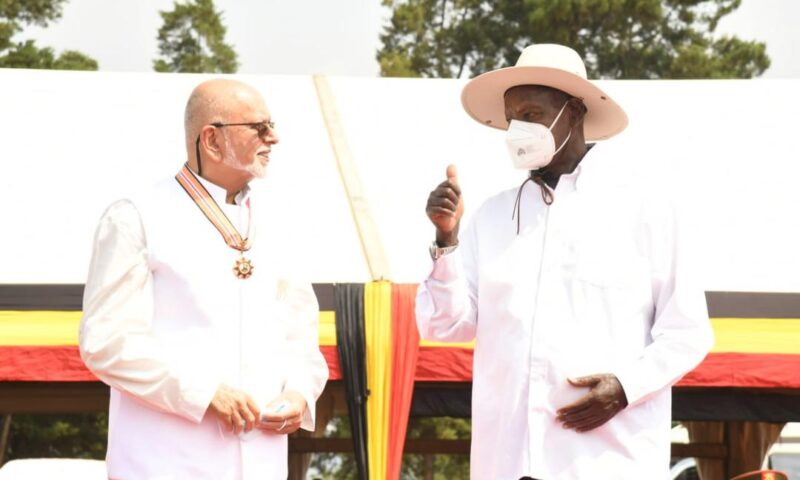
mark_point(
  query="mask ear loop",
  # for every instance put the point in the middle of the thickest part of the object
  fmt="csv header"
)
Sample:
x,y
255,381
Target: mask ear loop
x,y
558,116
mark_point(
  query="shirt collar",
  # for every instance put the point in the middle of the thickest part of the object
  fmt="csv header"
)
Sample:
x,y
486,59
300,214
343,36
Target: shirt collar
x,y
587,163
219,194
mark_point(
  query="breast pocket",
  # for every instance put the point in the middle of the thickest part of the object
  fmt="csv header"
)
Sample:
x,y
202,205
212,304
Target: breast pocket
x,y
612,298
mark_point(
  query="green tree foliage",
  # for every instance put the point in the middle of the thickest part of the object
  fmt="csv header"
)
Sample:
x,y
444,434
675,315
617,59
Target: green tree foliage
x,y
334,466
16,13
192,40
437,467
617,38
59,436
28,55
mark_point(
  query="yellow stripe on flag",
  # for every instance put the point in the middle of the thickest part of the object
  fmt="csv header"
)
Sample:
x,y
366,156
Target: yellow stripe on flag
x,y
43,328
756,335
327,328
431,343
378,336
732,335
38,328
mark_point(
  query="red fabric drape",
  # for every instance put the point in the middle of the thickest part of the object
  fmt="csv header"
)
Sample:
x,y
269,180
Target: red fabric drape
x,y
405,340
43,364
745,370
437,364
444,364
332,358
64,364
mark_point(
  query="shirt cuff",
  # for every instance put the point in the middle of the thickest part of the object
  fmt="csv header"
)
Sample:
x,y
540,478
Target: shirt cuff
x,y
196,400
634,391
310,413
446,268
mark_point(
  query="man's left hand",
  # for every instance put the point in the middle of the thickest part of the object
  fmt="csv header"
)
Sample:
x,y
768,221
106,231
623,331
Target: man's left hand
x,y
605,399
284,414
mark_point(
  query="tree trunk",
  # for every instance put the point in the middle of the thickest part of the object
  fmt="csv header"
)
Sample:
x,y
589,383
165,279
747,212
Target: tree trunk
x,y
428,475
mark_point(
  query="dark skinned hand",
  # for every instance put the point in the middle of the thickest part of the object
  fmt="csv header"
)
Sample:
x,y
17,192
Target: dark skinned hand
x,y
445,208
605,399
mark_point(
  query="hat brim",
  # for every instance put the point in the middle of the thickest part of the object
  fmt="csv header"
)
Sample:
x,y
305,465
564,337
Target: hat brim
x,y
482,98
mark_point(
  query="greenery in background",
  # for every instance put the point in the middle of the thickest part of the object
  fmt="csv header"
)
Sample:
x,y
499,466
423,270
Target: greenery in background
x,y
332,466
192,40
437,467
58,435
16,13
624,39
84,436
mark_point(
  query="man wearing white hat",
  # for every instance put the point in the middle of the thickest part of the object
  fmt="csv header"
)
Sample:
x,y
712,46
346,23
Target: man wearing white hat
x,y
572,287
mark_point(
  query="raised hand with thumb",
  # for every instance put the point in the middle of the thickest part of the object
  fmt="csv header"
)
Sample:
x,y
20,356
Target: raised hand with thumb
x,y
445,208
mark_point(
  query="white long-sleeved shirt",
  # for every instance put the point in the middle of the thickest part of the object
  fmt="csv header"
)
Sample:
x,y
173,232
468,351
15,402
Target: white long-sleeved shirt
x,y
594,283
166,321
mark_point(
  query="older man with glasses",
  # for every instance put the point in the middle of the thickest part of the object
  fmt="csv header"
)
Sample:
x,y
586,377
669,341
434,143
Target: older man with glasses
x,y
208,344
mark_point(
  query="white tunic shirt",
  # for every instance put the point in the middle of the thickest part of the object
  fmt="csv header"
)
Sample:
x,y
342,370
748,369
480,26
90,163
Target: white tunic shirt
x,y
594,283
166,321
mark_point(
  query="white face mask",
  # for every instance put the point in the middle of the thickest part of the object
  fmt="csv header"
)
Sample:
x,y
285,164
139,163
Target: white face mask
x,y
531,145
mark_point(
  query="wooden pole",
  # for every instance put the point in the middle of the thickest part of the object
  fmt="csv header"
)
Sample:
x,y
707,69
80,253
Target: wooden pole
x,y
371,244
4,437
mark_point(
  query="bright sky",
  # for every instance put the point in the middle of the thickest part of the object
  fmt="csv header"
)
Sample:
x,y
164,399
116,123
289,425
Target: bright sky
x,y
323,36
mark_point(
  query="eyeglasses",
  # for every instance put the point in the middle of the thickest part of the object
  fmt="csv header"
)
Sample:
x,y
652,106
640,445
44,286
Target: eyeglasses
x,y
263,129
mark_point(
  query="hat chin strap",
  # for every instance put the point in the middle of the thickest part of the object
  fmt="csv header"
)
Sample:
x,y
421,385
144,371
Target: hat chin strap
x,y
536,177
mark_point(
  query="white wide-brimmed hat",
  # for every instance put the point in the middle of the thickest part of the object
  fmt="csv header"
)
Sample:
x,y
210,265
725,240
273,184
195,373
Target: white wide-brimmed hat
x,y
553,66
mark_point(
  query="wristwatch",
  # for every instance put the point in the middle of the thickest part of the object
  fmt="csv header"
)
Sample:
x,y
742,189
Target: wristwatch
x,y
438,252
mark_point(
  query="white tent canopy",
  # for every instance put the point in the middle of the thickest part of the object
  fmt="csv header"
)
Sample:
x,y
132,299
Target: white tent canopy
x,y
76,141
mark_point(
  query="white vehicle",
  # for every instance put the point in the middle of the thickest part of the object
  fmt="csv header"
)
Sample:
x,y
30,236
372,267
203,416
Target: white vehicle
x,y
785,454
61,468
684,469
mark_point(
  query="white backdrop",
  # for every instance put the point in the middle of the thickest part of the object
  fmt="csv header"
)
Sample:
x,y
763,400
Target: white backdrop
x,y
74,141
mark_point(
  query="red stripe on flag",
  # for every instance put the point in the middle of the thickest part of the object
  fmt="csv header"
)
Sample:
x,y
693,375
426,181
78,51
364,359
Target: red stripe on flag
x,y
405,339
64,364
43,364
434,364
742,370
331,355
756,370
444,364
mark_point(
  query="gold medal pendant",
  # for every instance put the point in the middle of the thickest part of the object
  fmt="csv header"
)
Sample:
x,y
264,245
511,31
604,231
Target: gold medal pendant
x,y
243,268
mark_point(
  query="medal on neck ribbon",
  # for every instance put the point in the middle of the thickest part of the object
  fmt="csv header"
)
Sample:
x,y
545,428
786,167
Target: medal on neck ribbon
x,y
243,268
